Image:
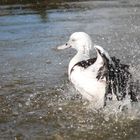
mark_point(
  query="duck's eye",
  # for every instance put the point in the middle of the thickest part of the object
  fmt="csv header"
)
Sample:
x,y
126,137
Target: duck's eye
x,y
66,44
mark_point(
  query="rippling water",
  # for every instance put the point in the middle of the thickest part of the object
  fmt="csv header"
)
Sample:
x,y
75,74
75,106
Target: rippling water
x,y
36,100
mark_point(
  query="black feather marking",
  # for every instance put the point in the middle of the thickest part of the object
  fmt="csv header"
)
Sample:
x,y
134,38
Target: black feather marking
x,y
103,71
119,81
84,63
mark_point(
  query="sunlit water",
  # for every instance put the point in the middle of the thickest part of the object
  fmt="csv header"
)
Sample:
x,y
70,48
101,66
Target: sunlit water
x,y
36,100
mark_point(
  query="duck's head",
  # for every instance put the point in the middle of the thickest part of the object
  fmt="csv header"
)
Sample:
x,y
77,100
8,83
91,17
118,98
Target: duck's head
x,y
82,42
79,41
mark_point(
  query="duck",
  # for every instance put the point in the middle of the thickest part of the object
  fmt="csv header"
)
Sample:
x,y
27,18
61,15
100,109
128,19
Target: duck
x,y
97,79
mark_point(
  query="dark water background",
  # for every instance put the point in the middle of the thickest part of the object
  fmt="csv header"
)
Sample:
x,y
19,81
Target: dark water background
x,y
36,100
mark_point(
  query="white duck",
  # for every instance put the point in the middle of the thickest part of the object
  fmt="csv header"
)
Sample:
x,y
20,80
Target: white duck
x,y
90,76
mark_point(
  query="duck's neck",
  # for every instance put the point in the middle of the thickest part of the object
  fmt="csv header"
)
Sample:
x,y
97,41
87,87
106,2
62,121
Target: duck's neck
x,y
80,56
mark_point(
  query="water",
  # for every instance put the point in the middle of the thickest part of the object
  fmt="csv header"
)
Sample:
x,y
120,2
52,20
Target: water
x,y
36,100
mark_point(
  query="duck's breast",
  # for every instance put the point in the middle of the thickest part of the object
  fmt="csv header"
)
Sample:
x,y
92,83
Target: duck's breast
x,y
87,83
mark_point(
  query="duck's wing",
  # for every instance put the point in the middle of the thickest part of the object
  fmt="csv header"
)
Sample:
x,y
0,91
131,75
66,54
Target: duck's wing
x,y
120,81
101,65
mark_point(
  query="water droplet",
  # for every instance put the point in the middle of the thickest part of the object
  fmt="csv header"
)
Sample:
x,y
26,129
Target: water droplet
x,y
60,108
20,105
